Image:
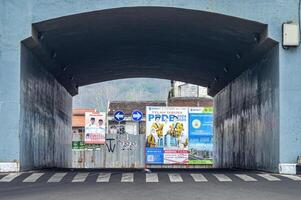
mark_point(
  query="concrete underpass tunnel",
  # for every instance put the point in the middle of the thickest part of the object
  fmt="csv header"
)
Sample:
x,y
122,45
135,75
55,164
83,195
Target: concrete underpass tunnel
x,y
233,57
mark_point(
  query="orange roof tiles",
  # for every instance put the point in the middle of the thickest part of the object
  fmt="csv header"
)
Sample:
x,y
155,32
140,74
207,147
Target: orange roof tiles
x,y
78,116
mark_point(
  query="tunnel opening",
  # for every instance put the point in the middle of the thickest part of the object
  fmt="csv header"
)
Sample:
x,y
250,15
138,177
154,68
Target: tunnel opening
x,y
233,57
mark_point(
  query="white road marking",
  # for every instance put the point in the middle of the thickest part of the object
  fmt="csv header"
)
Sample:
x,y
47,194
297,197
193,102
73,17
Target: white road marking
x,y
198,177
57,177
175,178
245,177
292,177
152,178
103,177
33,177
127,177
10,177
80,177
269,177
222,177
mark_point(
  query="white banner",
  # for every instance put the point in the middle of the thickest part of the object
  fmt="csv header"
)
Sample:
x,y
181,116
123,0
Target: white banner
x,y
95,128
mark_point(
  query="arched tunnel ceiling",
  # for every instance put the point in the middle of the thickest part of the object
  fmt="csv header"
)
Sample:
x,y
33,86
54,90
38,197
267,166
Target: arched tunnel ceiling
x,y
193,46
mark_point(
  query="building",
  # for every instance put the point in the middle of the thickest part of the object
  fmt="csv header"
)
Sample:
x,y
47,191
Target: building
x,y
182,89
78,119
188,95
78,127
190,102
128,126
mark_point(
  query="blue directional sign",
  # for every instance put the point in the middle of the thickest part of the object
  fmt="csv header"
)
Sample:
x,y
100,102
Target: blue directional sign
x,y
137,115
119,115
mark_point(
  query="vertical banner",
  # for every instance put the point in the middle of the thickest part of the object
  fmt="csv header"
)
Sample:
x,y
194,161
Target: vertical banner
x,y
201,135
95,128
166,135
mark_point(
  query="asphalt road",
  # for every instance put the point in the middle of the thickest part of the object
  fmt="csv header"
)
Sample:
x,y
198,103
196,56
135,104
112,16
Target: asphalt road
x,y
173,184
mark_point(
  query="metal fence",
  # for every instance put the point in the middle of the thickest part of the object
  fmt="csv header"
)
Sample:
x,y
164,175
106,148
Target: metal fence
x,y
119,151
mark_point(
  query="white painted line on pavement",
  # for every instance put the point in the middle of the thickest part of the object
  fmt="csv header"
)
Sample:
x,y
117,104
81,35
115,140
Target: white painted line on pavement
x,y
80,177
198,177
175,178
127,177
245,177
33,177
103,178
57,177
292,177
10,177
269,177
222,178
152,178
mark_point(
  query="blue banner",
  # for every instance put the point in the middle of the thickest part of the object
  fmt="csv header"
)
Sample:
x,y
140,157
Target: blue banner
x,y
154,155
200,138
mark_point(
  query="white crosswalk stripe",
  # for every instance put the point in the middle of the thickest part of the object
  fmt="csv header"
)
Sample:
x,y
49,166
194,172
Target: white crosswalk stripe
x,y
33,177
80,177
148,178
127,177
10,177
269,177
245,177
103,178
152,178
175,178
222,178
198,177
57,177
292,177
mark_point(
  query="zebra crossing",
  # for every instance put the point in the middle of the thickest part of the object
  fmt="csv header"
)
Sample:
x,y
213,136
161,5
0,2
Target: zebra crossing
x,y
57,177
81,177
222,178
33,177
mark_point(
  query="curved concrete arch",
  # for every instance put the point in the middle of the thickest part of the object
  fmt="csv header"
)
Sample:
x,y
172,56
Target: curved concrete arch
x,y
269,12
199,47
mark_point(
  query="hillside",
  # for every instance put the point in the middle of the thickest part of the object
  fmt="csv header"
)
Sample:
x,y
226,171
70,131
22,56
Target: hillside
x,y
137,89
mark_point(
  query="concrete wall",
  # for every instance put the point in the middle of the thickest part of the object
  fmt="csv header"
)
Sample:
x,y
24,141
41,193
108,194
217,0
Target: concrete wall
x,y
16,17
246,118
10,34
46,107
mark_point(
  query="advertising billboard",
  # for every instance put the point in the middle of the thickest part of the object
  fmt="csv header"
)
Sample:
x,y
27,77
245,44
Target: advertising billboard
x,y
95,128
166,135
200,135
179,135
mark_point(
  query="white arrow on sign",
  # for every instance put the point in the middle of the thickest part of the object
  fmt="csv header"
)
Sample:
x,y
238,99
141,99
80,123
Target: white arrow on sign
x,y
137,115
119,116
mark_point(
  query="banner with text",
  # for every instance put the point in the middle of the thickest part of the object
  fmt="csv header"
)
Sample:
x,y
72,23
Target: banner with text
x,y
166,135
95,128
179,135
200,135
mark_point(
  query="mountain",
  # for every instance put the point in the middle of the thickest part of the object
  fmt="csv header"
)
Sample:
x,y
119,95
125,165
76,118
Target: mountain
x,y
136,89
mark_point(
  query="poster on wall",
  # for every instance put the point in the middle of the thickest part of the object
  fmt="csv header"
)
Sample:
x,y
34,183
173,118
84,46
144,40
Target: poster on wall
x,y
166,135
200,135
95,128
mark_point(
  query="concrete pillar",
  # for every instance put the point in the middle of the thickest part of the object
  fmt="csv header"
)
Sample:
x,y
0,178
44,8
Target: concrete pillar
x,y
15,18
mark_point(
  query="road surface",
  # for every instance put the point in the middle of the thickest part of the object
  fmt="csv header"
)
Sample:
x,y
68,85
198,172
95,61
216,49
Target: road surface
x,y
168,184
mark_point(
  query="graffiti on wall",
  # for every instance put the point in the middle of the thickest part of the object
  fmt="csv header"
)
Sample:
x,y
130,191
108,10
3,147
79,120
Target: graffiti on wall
x,y
110,144
117,129
122,143
127,144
